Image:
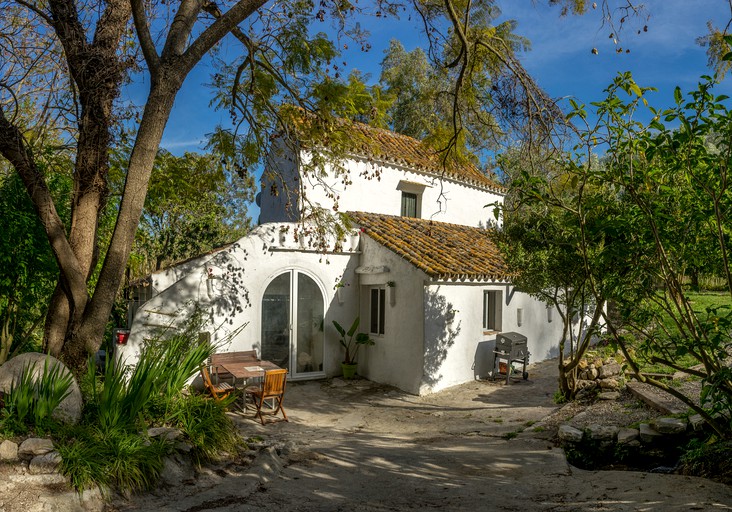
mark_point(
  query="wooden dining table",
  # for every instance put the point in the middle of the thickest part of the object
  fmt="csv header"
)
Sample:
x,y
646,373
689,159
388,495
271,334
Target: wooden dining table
x,y
246,370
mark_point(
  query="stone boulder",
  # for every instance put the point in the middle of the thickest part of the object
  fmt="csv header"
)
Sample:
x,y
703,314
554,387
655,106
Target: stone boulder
x,y
609,370
34,446
69,410
569,434
44,464
8,451
669,425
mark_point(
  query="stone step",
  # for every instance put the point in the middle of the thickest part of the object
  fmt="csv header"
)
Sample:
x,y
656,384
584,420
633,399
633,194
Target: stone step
x,y
655,398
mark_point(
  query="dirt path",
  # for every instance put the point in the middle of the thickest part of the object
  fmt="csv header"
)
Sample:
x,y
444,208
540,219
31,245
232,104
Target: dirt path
x,y
357,446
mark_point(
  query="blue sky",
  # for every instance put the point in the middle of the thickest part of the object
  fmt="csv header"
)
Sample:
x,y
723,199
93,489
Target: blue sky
x,y
561,60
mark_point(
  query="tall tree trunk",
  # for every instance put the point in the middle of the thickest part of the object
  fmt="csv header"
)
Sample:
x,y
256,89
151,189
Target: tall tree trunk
x,y
76,321
85,337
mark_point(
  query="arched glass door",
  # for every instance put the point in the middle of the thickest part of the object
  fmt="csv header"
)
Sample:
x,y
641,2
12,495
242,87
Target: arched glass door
x,y
296,345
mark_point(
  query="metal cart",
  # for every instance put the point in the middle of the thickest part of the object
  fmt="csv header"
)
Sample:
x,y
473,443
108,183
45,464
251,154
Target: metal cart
x,y
510,348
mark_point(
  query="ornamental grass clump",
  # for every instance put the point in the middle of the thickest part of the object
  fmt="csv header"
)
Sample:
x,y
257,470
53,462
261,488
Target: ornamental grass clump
x,y
32,400
110,447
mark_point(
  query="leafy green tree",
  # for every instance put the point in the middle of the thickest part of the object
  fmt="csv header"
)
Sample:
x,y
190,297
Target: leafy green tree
x,y
194,204
94,55
542,241
671,186
27,268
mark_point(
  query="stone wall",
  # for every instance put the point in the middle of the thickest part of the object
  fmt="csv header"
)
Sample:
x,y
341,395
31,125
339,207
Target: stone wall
x,y
657,444
595,372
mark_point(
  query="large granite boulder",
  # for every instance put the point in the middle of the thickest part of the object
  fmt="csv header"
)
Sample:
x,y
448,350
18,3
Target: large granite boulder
x,y
69,410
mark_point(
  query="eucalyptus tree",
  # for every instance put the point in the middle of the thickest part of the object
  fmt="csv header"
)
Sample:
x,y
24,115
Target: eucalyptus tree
x,y
194,204
95,55
68,60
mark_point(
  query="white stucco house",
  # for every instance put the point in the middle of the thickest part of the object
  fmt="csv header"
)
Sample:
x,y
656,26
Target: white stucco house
x,y
419,268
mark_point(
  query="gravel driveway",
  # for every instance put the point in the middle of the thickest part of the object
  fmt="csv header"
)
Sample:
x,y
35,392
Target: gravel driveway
x,y
358,446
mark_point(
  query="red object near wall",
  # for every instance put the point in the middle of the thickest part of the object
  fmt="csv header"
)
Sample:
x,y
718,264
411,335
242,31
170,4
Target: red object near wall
x,y
121,336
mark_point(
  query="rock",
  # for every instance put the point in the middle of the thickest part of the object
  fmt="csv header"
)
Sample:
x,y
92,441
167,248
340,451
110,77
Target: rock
x,y
648,434
609,395
169,433
582,365
34,446
8,450
69,410
592,373
669,425
603,432
176,471
597,362
586,384
580,417
609,370
627,435
183,447
43,464
569,434
609,383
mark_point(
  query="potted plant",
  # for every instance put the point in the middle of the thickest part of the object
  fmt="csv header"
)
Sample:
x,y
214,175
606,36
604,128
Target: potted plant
x,y
351,341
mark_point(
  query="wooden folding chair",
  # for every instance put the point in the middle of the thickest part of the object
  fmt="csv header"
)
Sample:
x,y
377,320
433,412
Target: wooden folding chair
x,y
219,390
272,388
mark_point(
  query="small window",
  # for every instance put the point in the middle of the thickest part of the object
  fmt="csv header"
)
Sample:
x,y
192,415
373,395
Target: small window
x,y
492,310
378,310
409,204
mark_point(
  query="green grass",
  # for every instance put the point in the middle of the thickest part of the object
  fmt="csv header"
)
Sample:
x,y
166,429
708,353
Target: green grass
x,y
116,458
699,302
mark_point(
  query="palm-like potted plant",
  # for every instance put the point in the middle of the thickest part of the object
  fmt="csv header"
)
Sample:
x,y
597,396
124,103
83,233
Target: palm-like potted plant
x,y
351,342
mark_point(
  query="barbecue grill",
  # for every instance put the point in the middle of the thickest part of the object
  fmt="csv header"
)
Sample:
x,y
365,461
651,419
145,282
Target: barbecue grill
x,y
510,348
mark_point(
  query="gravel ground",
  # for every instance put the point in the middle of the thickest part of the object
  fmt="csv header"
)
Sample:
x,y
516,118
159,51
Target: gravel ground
x,y
359,446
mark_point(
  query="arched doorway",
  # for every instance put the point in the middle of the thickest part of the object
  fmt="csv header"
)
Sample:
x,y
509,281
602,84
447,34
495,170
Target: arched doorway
x,y
296,345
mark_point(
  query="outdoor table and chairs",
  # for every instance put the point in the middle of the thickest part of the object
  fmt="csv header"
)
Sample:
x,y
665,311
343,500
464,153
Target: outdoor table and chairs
x,y
261,381
246,370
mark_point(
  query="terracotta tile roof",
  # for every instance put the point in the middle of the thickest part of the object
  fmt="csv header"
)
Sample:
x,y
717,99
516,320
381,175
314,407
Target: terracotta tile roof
x,y
396,148
390,147
441,250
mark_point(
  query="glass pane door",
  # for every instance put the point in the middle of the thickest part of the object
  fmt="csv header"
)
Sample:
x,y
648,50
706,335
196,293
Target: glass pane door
x,y
276,321
298,347
309,332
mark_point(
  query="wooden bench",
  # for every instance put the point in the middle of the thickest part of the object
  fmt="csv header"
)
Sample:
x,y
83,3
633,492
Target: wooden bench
x,y
220,358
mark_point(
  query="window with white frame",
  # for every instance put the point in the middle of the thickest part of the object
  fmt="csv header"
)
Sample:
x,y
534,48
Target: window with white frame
x,y
492,310
378,310
411,199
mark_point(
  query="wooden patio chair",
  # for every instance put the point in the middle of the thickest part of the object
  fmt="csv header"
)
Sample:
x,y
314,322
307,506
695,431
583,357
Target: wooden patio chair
x,y
272,388
219,390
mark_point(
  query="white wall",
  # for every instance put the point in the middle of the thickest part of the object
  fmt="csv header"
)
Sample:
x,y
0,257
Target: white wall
x,y
460,350
375,188
165,278
397,357
233,299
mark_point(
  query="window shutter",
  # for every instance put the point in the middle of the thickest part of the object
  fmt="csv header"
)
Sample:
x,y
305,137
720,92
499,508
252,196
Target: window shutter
x,y
498,305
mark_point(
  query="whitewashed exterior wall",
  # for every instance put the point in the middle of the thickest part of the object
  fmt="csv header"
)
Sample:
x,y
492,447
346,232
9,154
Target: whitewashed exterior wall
x,y
397,357
461,350
377,188
234,296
